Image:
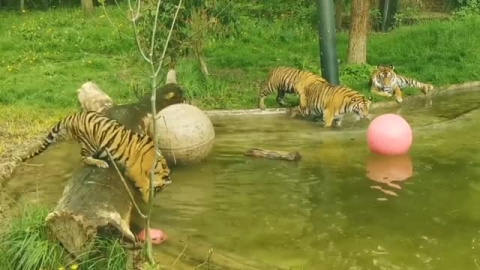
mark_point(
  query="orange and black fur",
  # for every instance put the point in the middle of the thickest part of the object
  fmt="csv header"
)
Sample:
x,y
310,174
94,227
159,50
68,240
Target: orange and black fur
x,y
385,82
286,80
332,102
97,133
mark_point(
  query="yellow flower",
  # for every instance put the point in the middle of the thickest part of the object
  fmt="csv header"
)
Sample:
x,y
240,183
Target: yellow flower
x,y
74,267
23,10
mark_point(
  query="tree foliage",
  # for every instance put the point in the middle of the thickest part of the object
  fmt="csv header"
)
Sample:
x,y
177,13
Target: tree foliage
x,y
196,18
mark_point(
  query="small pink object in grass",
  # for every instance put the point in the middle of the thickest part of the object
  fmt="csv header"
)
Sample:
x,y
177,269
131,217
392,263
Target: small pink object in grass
x,y
389,134
158,236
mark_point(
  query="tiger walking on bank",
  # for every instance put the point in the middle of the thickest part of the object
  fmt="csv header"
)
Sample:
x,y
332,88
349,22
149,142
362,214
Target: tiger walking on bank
x,y
286,80
97,134
385,82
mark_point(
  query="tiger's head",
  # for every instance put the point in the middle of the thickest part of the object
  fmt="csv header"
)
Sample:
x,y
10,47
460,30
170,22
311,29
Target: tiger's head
x,y
161,174
384,76
361,107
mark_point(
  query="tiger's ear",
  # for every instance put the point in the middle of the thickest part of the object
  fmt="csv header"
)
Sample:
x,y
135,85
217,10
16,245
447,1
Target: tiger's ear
x,y
392,67
370,98
378,66
169,95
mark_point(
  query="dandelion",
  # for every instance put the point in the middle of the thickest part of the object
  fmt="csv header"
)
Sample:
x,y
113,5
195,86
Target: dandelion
x,y
74,267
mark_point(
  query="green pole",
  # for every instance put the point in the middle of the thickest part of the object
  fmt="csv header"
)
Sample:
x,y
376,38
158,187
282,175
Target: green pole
x,y
388,9
328,42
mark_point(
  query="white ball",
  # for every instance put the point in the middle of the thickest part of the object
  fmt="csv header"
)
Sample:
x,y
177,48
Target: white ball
x,y
188,135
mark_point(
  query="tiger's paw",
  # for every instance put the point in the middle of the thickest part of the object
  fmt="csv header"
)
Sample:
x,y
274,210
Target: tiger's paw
x,y
427,88
399,100
293,112
101,164
145,195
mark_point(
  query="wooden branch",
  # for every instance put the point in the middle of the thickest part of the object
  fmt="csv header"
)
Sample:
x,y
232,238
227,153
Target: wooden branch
x,y
271,154
95,200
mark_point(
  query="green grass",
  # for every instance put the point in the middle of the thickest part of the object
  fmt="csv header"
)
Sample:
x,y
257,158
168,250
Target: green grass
x,y
46,56
25,245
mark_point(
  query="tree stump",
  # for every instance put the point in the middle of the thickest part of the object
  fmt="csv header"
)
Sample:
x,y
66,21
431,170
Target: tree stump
x,y
95,200
270,154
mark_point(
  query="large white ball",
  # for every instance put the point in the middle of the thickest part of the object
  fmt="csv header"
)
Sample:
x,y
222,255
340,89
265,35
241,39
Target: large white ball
x,y
188,135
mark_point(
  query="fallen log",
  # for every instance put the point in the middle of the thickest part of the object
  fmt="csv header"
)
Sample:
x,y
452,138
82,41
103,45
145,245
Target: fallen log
x,y
271,154
95,200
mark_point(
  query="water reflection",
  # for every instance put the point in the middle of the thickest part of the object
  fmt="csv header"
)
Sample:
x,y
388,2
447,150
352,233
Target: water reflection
x,y
387,170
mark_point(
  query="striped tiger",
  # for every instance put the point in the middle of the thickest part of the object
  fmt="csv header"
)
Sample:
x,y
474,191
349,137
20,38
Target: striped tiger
x,y
385,82
97,133
332,102
286,80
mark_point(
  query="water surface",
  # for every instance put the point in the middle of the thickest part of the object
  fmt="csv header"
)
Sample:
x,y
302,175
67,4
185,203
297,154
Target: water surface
x,y
322,212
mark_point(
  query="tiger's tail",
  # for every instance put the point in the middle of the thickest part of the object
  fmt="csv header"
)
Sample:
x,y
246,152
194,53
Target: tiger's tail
x,y
52,137
409,82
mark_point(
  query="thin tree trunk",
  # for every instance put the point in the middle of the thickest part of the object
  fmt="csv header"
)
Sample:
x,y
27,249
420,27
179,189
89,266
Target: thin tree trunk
x,y
359,28
339,4
87,6
22,5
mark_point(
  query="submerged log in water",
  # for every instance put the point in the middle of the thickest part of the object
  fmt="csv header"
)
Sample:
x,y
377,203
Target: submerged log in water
x,y
95,199
271,154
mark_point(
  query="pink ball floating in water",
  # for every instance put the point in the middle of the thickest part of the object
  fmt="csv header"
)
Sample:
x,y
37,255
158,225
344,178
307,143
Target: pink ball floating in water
x,y
158,236
389,134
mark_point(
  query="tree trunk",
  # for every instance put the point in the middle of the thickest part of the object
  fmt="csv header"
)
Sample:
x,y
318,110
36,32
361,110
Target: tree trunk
x,y
359,28
87,6
95,200
22,5
338,13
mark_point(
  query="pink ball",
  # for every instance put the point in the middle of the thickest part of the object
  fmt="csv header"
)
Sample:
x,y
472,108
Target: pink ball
x,y
389,134
158,236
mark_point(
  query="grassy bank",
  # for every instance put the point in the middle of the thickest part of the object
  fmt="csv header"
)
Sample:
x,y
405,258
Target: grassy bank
x,y
25,245
46,56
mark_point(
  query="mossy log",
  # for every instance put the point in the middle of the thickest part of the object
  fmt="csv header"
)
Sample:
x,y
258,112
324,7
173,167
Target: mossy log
x,y
95,199
271,154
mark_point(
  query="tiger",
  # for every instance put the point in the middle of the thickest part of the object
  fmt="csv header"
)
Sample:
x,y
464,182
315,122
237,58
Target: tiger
x,y
97,133
385,82
286,80
332,102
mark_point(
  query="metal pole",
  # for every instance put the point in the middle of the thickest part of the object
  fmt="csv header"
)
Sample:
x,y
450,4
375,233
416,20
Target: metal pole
x,y
328,42
388,10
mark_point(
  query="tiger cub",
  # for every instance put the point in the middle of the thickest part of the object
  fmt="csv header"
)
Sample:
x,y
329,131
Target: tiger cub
x,y
332,102
385,82
286,80
97,133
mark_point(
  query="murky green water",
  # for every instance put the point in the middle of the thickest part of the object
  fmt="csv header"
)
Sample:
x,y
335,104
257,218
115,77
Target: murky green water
x,y
322,212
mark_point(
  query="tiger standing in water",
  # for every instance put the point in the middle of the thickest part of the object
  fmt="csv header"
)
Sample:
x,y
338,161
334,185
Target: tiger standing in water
x,y
332,102
385,82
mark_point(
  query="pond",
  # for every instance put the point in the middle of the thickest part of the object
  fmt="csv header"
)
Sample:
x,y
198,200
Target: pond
x,y
325,211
